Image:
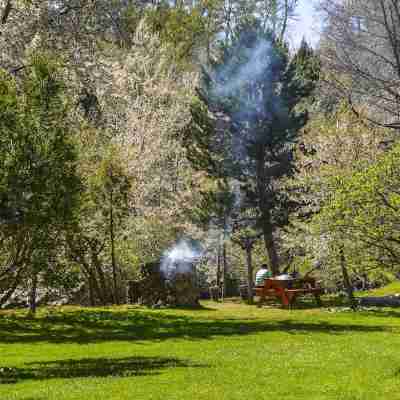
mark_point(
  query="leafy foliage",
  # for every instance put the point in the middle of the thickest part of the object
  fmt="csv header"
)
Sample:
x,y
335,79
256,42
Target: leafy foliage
x,y
39,183
364,209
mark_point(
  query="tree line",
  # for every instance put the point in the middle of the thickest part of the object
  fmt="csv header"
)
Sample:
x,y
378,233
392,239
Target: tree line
x,y
127,125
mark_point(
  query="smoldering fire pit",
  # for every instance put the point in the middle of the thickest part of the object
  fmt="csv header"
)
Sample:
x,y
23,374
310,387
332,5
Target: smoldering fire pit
x,y
171,282
178,266
182,290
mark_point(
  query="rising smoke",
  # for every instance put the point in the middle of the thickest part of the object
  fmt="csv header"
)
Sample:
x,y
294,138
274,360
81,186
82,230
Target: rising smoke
x,y
247,83
230,78
247,79
181,258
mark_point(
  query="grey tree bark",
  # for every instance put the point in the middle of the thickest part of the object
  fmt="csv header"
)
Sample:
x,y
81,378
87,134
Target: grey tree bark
x,y
249,262
33,294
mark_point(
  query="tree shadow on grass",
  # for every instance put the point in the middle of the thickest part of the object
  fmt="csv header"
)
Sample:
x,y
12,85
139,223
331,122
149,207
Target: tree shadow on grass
x,y
381,312
93,325
92,367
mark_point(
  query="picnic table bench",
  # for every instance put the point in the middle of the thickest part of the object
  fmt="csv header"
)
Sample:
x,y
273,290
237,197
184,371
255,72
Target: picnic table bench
x,y
288,290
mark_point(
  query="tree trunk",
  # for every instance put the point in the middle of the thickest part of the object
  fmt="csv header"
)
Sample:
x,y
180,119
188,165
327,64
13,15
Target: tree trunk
x,y
12,289
285,21
263,205
223,292
94,285
104,295
7,295
91,292
113,263
91,266
33,295
6,12
98,292
271,249
219,266
250,298
346,280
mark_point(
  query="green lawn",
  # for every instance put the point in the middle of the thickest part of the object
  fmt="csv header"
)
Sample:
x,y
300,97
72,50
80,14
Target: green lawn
x,y
391,289
224,351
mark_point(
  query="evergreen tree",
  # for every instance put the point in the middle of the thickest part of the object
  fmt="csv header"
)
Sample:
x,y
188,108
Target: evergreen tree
x,y
260,90
39,185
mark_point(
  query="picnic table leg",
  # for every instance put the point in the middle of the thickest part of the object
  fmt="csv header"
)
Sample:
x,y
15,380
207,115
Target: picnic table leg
x,y
291,299
283,296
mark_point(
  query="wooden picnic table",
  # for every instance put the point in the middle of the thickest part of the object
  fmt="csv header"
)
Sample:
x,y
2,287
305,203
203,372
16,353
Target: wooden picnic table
x,y
287,290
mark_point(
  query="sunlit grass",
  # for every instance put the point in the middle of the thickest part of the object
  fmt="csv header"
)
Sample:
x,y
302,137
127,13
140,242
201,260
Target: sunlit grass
x,y
223,351
391,289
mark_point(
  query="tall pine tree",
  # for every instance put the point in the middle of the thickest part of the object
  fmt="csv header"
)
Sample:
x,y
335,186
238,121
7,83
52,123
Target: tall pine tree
x,y
260,91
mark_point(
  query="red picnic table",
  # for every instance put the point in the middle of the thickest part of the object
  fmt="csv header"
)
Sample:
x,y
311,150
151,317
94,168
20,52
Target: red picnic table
x,y
287,290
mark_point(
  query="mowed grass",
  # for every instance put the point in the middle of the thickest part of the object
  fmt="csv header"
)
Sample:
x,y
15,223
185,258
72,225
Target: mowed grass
x,y
388,290
223,351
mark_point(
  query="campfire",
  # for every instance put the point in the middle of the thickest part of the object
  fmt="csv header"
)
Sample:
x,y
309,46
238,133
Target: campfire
x,y
170,282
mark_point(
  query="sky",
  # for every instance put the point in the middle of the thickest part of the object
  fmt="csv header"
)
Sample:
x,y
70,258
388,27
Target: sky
x,y
306,24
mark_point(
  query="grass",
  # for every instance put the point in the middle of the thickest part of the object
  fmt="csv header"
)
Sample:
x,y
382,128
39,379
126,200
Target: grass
x,y
391,289
222,351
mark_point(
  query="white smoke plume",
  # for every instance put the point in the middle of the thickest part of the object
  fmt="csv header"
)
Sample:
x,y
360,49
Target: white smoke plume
x,y
258,61
249,77
229,81
180,258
